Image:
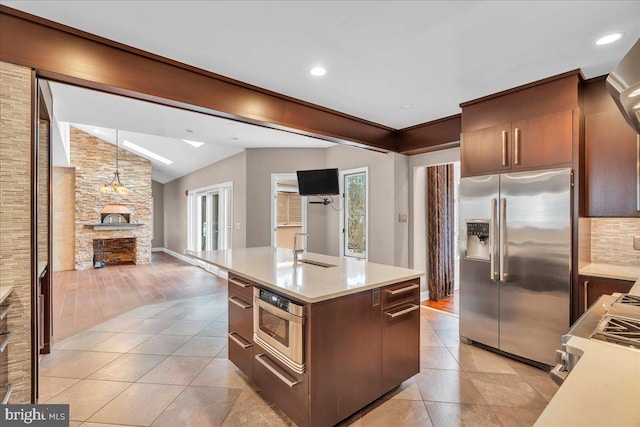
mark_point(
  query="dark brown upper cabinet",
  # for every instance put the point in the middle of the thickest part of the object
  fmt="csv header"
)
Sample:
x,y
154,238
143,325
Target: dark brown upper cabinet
x,y
526,128
612,156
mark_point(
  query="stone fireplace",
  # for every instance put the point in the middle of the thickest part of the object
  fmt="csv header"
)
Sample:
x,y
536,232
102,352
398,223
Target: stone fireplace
x,y
113,251
93,160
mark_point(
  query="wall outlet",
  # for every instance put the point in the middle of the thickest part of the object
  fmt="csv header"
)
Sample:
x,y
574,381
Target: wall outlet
x,y
402,217
636,243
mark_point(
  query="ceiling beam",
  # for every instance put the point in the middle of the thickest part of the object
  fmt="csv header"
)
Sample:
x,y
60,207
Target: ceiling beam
x,y
67,55
430,136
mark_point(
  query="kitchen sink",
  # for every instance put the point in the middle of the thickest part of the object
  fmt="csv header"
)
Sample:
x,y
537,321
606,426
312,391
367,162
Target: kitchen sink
x,y
317,263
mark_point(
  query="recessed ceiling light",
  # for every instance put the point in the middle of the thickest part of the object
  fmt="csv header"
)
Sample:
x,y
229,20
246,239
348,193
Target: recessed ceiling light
x,y
146,152
318,71
634,93
406,106
610,38
193,143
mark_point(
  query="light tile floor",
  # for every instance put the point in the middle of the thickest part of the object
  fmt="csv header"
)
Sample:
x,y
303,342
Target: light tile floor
x,y
166,365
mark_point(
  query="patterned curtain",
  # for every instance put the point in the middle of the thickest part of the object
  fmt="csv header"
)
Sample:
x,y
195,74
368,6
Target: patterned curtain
x,y
440,223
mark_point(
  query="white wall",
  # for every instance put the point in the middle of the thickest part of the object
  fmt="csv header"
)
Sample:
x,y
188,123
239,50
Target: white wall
x,y
251,172
261,163
232,169
388,195
418,203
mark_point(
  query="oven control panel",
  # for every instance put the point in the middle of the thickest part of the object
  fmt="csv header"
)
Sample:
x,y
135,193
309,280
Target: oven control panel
x,y
275,300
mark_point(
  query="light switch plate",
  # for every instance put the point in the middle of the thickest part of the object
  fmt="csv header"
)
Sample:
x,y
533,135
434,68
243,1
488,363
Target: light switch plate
x,y
402,217
636,243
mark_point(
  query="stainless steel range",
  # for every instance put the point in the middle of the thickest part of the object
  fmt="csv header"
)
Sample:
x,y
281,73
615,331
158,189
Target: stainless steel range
x,y
612,318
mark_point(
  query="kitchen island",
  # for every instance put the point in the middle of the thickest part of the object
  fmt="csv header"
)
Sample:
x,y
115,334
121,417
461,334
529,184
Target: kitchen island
x,y
358,334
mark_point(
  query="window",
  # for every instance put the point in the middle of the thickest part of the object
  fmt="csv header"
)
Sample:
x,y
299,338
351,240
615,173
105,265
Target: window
x,y
209,216
288,210
355,221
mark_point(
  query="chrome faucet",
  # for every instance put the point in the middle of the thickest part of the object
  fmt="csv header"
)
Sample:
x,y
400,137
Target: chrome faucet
x,y
297,251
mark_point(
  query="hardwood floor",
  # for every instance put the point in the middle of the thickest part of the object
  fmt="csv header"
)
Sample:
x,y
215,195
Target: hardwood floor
x,y
448,305
82,299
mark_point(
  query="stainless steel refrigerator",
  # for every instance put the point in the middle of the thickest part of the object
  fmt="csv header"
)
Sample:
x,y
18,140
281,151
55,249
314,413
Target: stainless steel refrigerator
x,y
515,261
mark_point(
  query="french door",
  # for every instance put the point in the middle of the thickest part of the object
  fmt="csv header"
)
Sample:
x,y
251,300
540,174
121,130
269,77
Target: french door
x,y
210,218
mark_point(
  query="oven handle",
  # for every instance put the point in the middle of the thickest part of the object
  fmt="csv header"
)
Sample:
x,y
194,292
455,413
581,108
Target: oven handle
x,y
242,285
403,290
399,313
261,358
277,311
237,301
237,341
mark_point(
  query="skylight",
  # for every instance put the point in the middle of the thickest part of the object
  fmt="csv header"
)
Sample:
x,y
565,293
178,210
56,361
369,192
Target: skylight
x,y
146,152
193,143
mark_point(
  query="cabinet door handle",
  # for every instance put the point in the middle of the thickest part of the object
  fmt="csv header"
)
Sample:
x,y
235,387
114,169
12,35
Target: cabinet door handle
x,y
407,310
239,303
504,148
516,151
7,395
4,312
403,290
586,292
237,341
263,361
242,285
5,341
638,172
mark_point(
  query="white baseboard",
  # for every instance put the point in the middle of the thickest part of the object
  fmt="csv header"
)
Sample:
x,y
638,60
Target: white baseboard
x,y
424,295
157,249
207,267
186,259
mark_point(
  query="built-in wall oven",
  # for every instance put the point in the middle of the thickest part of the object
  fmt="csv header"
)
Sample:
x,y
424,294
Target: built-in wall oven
x,y
278,327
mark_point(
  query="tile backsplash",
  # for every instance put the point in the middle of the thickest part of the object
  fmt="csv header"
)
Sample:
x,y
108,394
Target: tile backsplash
x,y
612,241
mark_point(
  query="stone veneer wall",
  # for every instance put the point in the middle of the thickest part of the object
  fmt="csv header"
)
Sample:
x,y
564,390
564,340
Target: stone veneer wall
x,y
15,220
612,241
94,160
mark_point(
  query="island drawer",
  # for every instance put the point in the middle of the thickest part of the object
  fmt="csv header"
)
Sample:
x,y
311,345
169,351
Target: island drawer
x,y
241,315
400,293
240,286
287,389
241,352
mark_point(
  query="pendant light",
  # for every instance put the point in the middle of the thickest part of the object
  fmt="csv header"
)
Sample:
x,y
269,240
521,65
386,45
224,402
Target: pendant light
x,y
115,184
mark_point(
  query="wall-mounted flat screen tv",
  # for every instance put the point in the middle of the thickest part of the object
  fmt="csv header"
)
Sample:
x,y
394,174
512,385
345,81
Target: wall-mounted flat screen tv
x,y
318,182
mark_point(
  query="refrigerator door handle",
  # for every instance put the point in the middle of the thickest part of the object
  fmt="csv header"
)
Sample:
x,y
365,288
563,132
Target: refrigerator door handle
x,y
493,239
503,232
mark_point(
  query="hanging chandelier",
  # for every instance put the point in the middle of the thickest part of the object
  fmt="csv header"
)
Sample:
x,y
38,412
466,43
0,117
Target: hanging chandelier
x,y
115,184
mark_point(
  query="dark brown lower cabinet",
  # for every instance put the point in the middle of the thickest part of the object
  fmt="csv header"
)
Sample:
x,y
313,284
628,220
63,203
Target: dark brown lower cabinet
x,y
357,348
400,344
241,324
591,288
287,389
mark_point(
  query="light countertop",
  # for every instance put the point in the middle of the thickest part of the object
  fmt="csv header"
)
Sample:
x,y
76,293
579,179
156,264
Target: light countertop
x,y
274,268
611,271
602,389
